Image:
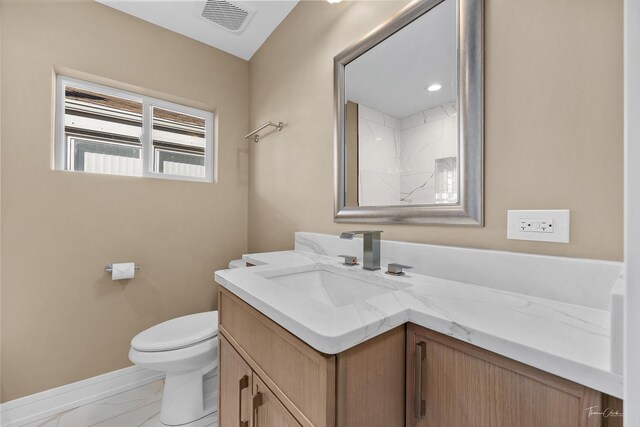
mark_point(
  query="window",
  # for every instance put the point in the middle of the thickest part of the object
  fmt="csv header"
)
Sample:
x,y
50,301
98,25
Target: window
x,y
104,130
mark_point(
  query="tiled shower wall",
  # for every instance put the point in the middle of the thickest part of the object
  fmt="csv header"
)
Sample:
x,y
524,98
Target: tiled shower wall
x,y
397,157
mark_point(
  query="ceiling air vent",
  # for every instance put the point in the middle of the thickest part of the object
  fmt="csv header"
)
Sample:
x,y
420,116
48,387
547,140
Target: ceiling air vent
x,y
227,15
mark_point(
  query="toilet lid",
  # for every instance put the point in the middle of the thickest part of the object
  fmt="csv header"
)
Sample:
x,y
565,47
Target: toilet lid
x,y
178,333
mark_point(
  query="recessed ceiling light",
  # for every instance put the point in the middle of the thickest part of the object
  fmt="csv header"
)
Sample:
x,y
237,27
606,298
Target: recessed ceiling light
x,y
434,87
334,1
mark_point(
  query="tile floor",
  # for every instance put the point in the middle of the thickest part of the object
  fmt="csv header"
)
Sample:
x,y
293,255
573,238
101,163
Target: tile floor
x,y
139,407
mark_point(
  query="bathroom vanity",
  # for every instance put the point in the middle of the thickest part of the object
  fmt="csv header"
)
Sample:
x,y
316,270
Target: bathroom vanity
x,y
273,378
268,377
305,340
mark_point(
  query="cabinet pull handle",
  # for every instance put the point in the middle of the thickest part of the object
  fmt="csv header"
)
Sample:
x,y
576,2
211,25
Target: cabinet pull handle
x,y
419,405
256,402
243,382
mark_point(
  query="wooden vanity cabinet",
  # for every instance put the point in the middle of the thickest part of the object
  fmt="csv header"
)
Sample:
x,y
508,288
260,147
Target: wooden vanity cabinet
x,y
409,376
454,384
291,384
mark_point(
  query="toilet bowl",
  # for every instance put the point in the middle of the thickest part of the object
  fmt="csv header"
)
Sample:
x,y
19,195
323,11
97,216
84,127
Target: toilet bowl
x,y
186,349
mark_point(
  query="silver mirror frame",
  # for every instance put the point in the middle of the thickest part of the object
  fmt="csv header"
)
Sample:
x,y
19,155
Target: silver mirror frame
x,y
469,210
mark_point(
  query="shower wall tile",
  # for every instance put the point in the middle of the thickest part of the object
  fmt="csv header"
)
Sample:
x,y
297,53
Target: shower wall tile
x,y
378,188
418,188
378,180
396,157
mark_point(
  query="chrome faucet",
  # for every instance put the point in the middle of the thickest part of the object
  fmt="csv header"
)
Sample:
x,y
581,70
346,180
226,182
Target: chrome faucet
x,y
371,250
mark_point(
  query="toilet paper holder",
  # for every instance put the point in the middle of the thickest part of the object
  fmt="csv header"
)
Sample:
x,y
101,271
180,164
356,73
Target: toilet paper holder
x,y
109,268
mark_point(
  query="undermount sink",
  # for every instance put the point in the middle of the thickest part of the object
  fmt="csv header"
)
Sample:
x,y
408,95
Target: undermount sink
x,y
334,287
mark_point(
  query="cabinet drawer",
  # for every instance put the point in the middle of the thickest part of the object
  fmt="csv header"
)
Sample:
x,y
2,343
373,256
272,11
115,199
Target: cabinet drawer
x,y
299,376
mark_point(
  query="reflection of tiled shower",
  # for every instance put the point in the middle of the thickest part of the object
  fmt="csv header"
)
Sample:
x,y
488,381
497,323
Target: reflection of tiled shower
x,y
407,161
446,180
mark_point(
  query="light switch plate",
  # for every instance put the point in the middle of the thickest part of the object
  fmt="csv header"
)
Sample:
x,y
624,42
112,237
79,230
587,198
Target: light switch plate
x,y
539,225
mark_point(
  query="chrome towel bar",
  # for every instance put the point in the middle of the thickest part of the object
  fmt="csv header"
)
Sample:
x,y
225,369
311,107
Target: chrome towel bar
x,y
255,135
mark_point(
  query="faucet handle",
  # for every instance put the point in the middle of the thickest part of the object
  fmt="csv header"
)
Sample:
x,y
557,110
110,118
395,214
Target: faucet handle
x,y
351,234
395,269
349,259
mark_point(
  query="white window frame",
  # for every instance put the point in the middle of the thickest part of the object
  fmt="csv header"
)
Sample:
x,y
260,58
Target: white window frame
x,y
146,137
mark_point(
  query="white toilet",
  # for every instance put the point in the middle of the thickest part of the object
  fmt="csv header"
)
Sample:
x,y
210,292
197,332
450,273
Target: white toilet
x,y
186,348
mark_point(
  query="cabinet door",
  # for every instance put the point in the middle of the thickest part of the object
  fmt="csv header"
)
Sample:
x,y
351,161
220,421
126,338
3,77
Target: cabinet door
x,y
267,409
234,397
302,378
454,384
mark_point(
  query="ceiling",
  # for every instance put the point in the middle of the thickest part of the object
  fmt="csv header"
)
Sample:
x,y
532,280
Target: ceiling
x,y
184,17
392,77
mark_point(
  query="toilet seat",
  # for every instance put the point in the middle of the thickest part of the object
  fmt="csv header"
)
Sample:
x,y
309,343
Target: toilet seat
x,y
203,353
178,333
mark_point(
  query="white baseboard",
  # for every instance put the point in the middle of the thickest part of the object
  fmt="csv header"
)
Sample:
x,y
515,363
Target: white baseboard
x,y
50,402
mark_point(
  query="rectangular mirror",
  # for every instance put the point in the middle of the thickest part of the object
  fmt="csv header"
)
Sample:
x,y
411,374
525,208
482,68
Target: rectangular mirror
x,y
408,125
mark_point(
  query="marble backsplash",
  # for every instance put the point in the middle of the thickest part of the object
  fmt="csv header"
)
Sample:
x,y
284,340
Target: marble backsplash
x,y
577,281
397,157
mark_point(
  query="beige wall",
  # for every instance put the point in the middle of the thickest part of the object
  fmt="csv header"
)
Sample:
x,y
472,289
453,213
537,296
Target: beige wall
x,y
63,319
553,123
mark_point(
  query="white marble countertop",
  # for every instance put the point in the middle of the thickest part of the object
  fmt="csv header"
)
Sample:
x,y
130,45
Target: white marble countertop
x,y
567,340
